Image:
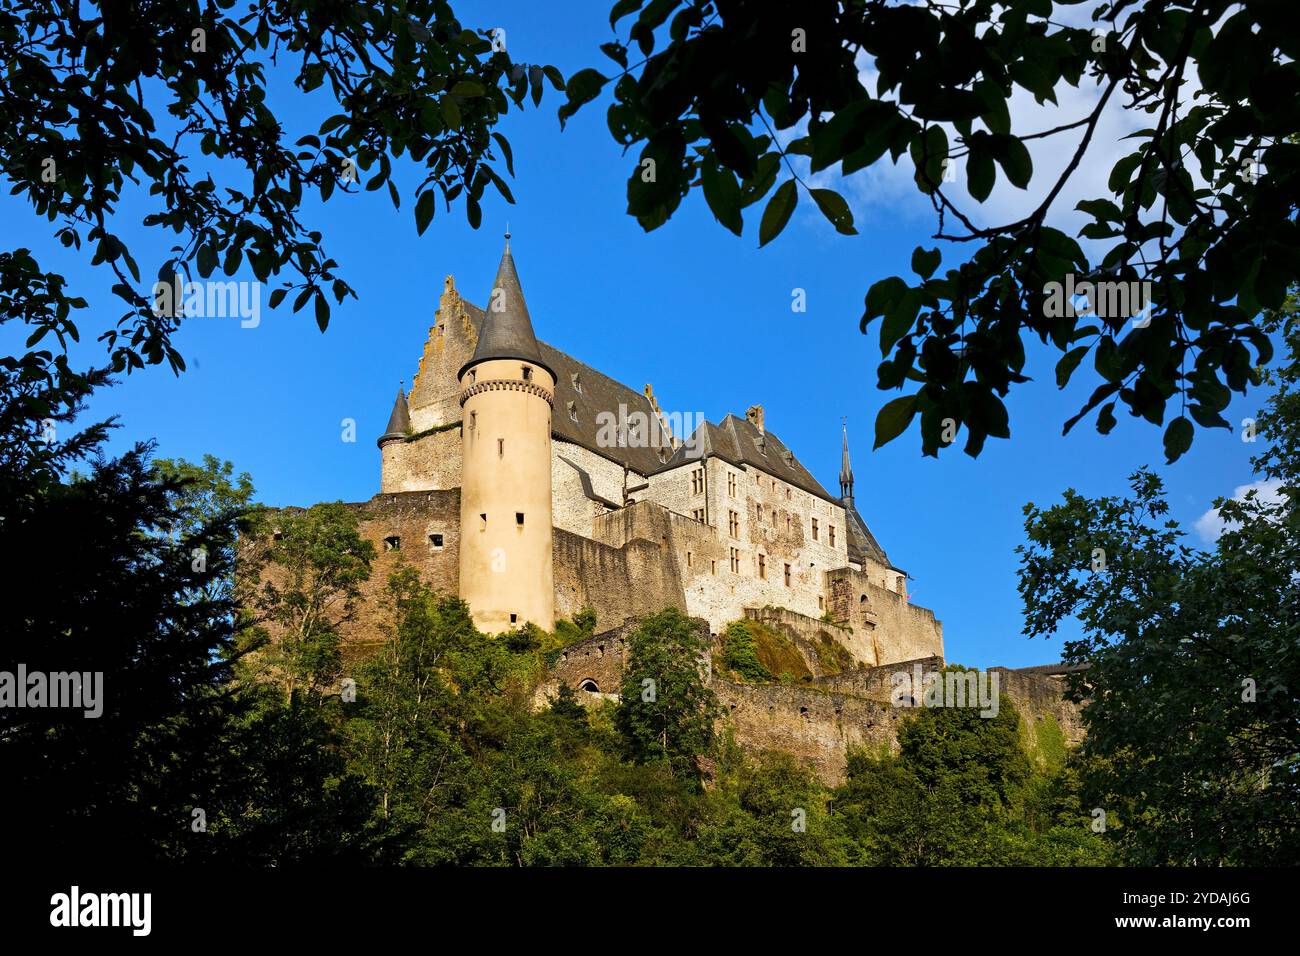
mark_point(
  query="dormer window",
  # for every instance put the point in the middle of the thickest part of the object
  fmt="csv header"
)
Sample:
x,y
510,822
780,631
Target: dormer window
x,y
576,382
573,410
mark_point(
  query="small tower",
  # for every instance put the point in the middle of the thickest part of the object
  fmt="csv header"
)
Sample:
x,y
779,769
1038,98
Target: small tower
x,y
391,442
506,396
846,473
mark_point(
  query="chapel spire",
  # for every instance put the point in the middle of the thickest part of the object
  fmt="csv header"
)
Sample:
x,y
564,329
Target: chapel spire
x,y
846,471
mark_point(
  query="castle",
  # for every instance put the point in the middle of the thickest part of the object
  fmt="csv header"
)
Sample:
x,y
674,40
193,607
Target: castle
x,y
533,486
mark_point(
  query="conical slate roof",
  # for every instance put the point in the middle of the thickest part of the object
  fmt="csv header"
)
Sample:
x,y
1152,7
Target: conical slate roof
x,y
507,330
399,423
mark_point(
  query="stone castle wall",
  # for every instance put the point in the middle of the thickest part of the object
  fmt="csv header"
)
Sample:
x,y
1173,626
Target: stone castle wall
x,y
620,583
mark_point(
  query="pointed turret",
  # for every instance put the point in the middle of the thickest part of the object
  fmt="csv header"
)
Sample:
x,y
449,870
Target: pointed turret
x,y
846,473
399,423
507,331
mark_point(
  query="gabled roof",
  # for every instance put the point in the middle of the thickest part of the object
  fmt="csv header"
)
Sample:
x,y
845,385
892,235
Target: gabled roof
x,y
738,441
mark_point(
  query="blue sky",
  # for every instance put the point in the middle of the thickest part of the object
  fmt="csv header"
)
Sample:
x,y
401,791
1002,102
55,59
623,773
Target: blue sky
x,y
702,315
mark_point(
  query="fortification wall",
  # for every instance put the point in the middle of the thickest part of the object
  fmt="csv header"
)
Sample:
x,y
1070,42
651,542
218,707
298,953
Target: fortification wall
x,y
886,626
619,582
414,518
815,726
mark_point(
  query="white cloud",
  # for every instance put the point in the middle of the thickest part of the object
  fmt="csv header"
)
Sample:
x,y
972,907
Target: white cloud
x,y
1211,524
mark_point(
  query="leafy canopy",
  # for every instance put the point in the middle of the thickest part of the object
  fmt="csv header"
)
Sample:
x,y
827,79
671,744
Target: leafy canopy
x,y
724,96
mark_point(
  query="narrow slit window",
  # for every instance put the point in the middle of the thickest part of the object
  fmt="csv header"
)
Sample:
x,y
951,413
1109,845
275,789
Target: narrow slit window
x,y
519,518
501,447
482,522
528,374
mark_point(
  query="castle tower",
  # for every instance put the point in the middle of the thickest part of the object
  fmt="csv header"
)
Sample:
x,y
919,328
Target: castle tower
x,y
846,473
506,397
392,440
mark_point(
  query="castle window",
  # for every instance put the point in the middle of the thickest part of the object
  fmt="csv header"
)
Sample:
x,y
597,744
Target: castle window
x,y
440,331
473,420
573,410
787,524
762,566
821,603
482,522
690,560
501,447
733,524
787,575
735,560
698,515
473,376
863,599
713,567
787,494
760,512
814,521
519,518
528,374
435,542
830,529
697,481
731,484
393,543
589,686
514,618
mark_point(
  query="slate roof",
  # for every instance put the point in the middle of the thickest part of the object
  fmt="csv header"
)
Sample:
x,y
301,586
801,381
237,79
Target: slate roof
x,y
738,441
399,422
590,393
862,543
508,331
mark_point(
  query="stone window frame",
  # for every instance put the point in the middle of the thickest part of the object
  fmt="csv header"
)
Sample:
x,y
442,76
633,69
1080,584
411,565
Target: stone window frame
x,y
393,542
437,541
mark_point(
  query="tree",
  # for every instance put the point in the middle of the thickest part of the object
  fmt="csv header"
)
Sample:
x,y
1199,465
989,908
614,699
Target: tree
x,y
667,708
1193,655
96,100
1200,215
100,590
303,576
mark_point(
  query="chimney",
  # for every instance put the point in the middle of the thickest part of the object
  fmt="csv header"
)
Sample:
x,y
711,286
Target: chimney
x,y
754,416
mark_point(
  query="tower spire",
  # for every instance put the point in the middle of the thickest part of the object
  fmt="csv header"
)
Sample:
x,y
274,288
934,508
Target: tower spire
x,y
399,422
507,331
846,470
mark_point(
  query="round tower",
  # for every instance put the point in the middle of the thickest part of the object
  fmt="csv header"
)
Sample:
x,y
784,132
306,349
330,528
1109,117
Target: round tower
x,y
506,395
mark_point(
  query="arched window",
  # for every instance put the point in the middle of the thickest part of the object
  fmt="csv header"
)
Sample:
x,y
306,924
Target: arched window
x,y
590,686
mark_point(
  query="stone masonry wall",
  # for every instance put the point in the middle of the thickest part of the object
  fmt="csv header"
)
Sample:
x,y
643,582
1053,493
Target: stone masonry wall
x,y
620,583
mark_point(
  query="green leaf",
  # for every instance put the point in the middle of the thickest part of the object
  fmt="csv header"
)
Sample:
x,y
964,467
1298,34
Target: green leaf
x,y
425,207
835,209
322,310
925,262
722,194
778,212
1178,438
893,419
1065,368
